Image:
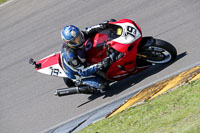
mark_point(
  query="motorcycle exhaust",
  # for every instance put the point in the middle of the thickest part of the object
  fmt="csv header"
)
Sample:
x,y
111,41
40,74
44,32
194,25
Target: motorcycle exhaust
x,y
73,90
66,91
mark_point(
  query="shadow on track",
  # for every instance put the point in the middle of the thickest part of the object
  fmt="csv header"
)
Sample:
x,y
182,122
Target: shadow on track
x,y
122,85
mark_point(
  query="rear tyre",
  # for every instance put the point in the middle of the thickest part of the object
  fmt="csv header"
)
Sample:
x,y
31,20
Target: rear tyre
x,y
69,83
160,52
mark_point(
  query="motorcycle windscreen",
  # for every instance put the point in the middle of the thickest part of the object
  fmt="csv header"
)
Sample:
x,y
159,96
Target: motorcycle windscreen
x,y
51,65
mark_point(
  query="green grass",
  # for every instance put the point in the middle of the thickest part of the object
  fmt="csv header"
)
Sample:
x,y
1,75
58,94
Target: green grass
x,y
2,1
177,111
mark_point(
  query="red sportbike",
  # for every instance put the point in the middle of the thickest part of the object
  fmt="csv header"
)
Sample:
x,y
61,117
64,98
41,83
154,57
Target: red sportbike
x,y
123,41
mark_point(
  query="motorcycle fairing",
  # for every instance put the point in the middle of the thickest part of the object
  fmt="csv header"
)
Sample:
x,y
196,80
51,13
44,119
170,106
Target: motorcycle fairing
x,y
51,65
127,44
129,35
125,41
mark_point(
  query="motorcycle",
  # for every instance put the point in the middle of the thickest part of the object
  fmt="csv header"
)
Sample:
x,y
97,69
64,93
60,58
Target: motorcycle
x,y
123,41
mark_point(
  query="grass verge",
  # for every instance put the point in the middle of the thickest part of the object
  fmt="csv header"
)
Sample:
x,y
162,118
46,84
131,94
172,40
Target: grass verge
x,y
2,1
177,111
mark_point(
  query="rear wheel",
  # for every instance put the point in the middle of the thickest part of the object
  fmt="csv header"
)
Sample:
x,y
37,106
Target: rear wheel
x,y
69,83
159,52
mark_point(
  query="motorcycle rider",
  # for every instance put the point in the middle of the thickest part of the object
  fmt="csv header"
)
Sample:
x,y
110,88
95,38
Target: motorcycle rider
x,y
73,54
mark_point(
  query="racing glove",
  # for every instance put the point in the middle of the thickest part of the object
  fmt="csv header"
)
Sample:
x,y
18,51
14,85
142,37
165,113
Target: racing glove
x,y
105,64
104,25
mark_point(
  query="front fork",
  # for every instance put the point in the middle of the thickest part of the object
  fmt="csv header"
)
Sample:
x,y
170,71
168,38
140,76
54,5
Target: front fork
x,y
144,44
141,55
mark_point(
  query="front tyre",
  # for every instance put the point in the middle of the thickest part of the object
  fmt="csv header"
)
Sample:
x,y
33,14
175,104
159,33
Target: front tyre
x,y
160,52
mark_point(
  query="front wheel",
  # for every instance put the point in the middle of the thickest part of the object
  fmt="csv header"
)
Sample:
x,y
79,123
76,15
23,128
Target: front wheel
x,y
159,52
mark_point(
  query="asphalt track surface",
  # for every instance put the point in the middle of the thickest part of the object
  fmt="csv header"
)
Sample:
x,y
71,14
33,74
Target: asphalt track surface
x,y
31,28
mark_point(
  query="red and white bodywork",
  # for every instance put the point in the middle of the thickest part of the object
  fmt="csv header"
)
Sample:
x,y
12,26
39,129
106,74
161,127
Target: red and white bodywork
x,y
127,37
126,43
51,65
130,37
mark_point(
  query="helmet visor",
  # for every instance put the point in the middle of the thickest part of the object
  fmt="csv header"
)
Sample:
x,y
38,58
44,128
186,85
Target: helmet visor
x,y
78,40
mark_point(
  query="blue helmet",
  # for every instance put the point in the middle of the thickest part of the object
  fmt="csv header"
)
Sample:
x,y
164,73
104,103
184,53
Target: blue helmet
x,y
72,36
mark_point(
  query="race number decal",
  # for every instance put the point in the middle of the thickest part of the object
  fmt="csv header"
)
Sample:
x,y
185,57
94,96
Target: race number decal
x,y
131,31
54,72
